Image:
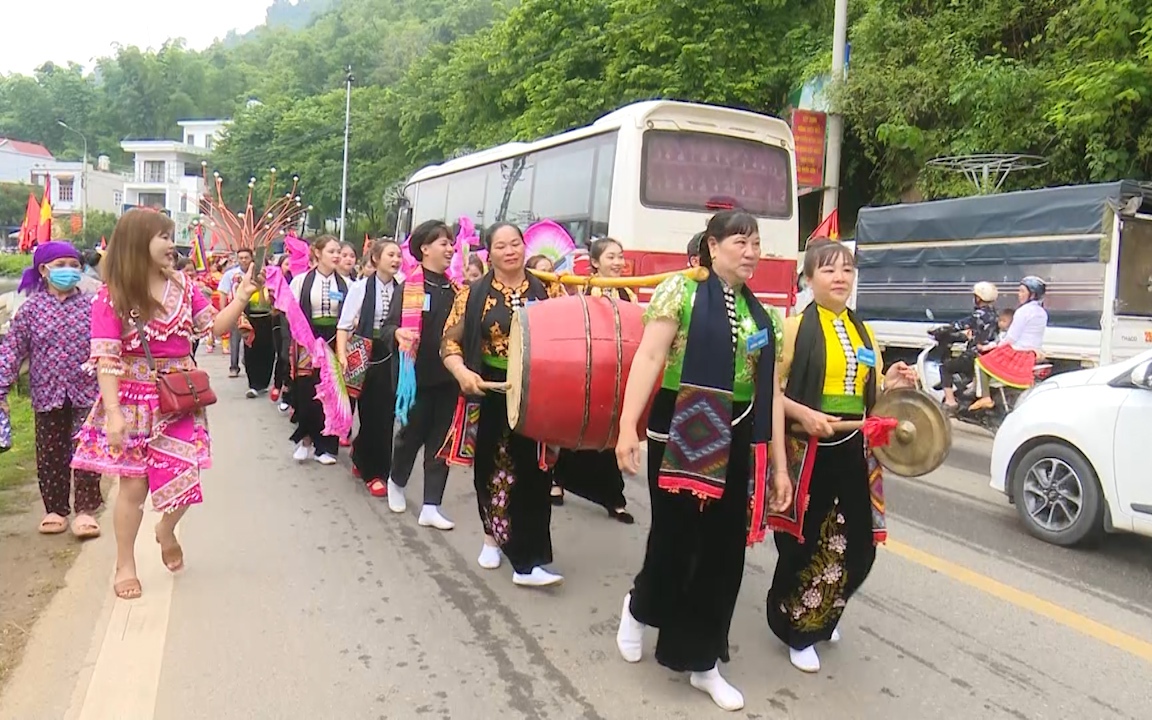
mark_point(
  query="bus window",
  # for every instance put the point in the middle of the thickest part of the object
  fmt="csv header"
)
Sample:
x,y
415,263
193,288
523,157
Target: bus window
x,y
431,199
602,185
511,198
563,186
465,194
704,172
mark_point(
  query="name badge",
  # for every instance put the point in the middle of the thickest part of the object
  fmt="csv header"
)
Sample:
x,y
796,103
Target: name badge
x,y
335,295
866,357
427,302
758,341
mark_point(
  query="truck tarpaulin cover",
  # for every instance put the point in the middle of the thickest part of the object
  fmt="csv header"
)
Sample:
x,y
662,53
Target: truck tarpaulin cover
x,y
1072,210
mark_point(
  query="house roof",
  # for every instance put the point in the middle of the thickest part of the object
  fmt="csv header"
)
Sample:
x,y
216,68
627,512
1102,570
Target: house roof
x,y
25,148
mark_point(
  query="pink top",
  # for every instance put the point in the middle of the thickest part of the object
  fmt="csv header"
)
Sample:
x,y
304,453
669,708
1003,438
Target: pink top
x,y
187,315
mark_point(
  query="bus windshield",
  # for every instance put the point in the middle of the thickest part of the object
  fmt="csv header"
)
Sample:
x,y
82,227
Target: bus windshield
x,y
704,172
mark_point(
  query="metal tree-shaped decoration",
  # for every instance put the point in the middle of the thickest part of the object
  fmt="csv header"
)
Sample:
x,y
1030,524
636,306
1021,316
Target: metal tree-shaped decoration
x,y
252,229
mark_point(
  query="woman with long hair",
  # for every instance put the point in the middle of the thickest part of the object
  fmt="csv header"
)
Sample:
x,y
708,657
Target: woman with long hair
x,y
593,475
347,264
474,270
511,487
146,307
281,386
320,292
713,437
51,331
365,315
832,369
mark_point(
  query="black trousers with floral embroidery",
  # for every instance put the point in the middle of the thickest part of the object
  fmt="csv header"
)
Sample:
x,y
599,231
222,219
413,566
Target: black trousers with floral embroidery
x,y
814,579
694,563
512,492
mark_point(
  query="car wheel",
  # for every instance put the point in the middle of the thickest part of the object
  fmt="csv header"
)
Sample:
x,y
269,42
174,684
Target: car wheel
x,y
1058,496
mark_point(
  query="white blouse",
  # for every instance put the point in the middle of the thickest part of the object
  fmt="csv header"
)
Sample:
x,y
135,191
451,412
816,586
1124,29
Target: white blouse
x,y
1027,329
350,315
323,304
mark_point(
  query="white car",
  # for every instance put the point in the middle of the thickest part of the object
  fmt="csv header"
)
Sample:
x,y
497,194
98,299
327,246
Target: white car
x,y
1075,455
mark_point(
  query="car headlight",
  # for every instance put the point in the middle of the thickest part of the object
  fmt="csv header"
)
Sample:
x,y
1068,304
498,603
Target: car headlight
x,y
1032,391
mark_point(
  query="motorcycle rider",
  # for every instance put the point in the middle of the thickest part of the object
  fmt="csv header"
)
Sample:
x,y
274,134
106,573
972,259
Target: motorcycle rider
x,y
979,328
1012,361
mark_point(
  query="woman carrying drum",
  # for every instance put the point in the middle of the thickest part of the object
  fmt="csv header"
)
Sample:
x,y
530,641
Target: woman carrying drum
x,y
320,292
365,316
718,407
595,476
832,369
511,484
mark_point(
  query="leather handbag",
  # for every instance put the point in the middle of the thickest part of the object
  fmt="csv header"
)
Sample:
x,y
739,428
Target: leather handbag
x,y
180,391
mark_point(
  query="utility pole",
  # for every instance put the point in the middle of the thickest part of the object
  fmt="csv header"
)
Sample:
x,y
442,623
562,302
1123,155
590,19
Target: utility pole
x,y
83,177
344,182
835,120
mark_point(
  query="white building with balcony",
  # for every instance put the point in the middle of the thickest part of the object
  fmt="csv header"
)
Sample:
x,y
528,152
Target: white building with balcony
x,y
70,183
168,175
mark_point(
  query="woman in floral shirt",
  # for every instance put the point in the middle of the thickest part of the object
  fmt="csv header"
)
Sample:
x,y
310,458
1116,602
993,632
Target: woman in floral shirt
x,y
51,332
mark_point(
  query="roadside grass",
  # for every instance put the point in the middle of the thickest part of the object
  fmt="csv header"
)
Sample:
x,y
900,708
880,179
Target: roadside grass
x,y
18,465
11,265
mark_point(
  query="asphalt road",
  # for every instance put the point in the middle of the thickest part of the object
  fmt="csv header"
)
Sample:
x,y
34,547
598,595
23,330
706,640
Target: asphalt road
x,y
306,598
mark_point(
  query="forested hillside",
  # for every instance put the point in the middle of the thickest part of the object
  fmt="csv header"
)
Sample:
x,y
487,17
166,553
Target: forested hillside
x,y
1067,79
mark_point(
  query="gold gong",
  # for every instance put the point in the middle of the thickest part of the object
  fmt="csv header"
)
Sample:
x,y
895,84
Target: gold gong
x,y
923,435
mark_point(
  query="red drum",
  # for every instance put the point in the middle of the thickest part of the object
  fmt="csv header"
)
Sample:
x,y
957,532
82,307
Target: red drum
x,y
568,363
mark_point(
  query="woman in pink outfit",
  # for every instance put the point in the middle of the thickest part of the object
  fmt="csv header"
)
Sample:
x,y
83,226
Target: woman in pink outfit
x,y
125,434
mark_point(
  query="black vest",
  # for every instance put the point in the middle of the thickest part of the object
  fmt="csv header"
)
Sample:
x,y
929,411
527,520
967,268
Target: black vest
x,y
306,293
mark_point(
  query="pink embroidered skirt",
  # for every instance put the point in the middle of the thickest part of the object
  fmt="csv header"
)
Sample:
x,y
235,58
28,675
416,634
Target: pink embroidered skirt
x,y
168,450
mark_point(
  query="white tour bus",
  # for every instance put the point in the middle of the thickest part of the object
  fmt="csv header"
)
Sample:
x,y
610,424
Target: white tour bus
x,y
649,174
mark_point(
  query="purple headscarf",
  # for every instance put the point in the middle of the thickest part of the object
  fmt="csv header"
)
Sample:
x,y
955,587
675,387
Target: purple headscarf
x,y
32,281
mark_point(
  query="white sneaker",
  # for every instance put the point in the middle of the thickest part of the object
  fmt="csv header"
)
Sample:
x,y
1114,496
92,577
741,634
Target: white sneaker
x,y
805,660
302,453
722,693
489,556
430,517
630,634
835,636
283,407
325,459
251,394
396,501
539,577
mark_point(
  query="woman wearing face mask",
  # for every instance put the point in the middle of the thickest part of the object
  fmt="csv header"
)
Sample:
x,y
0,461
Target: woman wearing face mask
x,y
147,307
832,369
365,314
320,292
511,487
51,331
590,474
717,348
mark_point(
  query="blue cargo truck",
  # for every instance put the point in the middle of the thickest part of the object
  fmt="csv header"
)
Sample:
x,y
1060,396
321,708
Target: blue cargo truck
x,y
1091,243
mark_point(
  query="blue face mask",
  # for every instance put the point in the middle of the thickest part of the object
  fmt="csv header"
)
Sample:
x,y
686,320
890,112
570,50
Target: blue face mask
x,y
64,278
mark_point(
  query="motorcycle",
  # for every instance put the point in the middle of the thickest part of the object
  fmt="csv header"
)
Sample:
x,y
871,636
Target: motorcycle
x,y
930,363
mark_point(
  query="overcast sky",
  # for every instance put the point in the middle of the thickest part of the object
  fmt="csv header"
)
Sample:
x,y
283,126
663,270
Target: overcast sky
x,y
83,30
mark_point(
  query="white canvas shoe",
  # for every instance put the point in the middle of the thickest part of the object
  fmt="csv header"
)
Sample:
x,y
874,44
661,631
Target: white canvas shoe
x,y
430,517
539,577
489,557
396,501
720,690
630,634
325,459
302,452
805,660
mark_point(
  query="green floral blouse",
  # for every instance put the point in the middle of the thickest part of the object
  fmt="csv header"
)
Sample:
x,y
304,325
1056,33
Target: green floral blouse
x,y
672,300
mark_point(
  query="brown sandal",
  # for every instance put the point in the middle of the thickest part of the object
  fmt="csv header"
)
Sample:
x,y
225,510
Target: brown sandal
x,y
173,557
53,524
127,589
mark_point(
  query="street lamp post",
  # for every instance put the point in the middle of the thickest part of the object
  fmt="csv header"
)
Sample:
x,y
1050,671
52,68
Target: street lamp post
x,y
835,119
83,177
344,181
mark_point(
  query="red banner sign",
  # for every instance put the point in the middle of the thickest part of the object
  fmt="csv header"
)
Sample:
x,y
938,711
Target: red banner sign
x,y
808,128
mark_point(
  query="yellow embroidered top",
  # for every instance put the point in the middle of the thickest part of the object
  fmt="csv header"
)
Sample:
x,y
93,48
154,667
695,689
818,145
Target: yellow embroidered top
x,y
845,377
